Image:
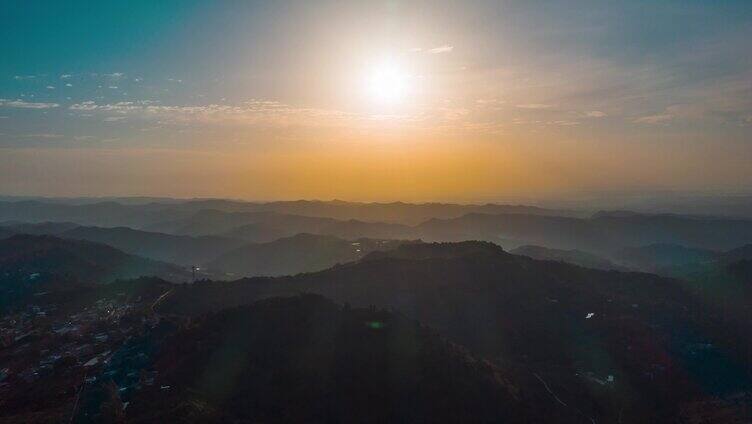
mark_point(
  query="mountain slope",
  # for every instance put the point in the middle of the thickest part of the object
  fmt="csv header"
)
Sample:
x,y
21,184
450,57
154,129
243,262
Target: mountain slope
x,y
574,256
38,263
183,250
738,254
40,228
665,257
292,255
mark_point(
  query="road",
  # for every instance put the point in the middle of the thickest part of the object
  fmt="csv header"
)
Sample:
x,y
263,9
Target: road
x,y
160,299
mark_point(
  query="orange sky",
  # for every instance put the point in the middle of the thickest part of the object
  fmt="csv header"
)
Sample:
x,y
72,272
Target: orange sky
x,y
412,101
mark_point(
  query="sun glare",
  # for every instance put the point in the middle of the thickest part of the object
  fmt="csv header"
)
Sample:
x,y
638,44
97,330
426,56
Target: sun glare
x,y
387,83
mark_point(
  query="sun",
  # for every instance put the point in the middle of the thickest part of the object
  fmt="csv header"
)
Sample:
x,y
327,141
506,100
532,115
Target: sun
x,y
387,83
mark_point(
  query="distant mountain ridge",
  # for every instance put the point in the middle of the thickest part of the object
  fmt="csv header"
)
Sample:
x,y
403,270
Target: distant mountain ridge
x,y
574,256
296,254
604,233
183,250
110,212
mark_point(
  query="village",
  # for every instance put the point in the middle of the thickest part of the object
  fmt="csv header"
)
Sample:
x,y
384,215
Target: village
x,y
76,355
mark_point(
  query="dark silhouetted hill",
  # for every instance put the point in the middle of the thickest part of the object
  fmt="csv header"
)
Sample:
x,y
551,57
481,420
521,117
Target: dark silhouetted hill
x,y
30,264
306,359
607,344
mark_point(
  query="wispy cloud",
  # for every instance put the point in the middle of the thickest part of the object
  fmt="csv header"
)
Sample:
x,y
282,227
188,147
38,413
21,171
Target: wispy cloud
x,y
534,106
565,123
250,112
42,135
24,77
441,49
595,114
65,76
654,119
20,104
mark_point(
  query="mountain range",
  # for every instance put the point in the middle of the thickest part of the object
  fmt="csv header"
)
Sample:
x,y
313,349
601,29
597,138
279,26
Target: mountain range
x,y
539,336
606,344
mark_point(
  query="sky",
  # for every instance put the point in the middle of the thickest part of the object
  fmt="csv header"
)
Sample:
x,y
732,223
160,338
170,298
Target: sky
x,y
375,100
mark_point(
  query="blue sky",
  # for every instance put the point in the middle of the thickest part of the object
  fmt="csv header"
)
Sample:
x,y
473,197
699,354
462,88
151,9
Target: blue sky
x,y
666,85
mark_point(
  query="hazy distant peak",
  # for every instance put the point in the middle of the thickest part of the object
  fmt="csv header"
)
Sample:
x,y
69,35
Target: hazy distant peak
x,y
573,256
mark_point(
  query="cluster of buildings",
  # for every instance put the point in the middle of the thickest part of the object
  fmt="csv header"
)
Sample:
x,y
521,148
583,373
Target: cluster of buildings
x,y
60,348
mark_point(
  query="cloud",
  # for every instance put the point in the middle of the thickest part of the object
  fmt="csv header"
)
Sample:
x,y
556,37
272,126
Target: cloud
x,y
441,49
69,85
595,114
250,112
534,106
488,105
119,107
65,76
565,123
83,137
654,119
114,118
24,77
492,101
114,75
20,104
42,135
453,113
50,87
